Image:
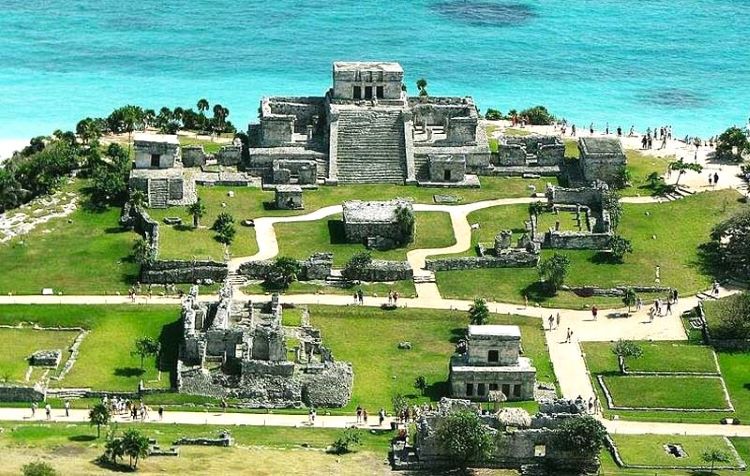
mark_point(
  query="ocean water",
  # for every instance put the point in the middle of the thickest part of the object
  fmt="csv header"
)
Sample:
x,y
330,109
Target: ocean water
x,y
648,63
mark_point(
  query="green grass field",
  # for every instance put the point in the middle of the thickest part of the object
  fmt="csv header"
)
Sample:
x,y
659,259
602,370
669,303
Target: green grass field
x,y
648,450
300,240
641,166
104,361
19,344
657,357
667,234
369,338
404,288
666,392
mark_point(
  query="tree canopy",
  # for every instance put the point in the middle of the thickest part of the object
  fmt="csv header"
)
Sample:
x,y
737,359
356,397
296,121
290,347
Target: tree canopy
x,y
553,271
465,438
732,144
583,436
479,313
730,239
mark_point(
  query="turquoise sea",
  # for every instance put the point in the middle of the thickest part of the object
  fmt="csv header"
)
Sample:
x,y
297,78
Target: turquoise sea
x,y
648,63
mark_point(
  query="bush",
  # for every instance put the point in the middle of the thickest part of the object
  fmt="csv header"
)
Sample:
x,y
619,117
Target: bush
x,y
731,317
283,272
354,267
38,468
464,437
582,436
618,247
493,115
730,140
344,443
538,116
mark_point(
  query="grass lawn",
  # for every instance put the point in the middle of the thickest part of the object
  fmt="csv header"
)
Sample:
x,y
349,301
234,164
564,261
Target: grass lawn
x,y
72,448
19,344
301,239
641,166
209,146
648,450
679,228
657,357
571,148
666,392
369,338
404,288
83,253
104,361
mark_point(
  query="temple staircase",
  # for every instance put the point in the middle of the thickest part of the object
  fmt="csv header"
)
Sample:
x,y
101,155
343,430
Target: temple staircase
x,y
158,193
371,146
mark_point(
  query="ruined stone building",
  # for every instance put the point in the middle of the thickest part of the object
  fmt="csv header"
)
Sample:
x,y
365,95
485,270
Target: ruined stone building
x,y
366,129
376,224
532,154
601,158
521,441
158,171
239,350
491,362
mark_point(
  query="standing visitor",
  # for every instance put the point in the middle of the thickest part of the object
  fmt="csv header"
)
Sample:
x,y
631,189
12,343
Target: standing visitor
x,y
48,411
381,417
557,318
716,179
67,408
594,311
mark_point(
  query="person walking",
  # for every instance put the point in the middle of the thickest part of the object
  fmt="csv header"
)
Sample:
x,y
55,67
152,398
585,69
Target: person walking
x,y
67,408
364,415
381,417
551,321
161,412
669,308
359,414
568,336
557,321
34,406
48,411
716,179
594,311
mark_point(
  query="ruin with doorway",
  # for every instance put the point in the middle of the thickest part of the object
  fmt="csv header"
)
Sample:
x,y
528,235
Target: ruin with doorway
x,y
158,171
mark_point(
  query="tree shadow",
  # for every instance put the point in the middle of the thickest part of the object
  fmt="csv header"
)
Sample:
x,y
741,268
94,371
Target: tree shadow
x,y
116,230
601,257
538,292
457,334
709,260
82,438
269,206
336,232
437,390
114,467
129,372
184,227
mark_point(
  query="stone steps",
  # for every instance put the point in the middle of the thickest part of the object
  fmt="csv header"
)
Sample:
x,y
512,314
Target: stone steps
x,y
67,393
425,278
158,193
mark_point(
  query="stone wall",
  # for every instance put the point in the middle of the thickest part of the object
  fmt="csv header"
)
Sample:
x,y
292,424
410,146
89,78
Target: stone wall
x,y
306,111
331,387
19,393
193,156
514,259
577,240
381,270
316,267
440,164
276,131
138,219
462,130
589,196
177,271
229,155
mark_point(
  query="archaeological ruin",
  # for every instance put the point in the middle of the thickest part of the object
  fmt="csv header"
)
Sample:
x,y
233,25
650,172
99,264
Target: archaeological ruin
x,y
240,350
366,129
601,158
377,224
488,361
158,171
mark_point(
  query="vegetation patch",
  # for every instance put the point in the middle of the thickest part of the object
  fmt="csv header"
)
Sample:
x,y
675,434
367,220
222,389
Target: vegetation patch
x,y
678,393
658,357
652,451
20,343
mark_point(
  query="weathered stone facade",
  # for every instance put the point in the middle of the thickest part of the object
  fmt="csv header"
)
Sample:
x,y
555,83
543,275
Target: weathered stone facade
x,y
183,271
601,158
516,258
447,168
239,350
46,358
316,267
381,271
155,151
530,151
492,363
288,197
22,393
595,225
158,171
365,222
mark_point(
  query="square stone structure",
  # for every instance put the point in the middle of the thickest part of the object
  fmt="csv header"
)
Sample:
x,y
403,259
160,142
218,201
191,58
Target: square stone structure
x,y
365,220
447,168
156,151
601,158
367,80
491,363
288,197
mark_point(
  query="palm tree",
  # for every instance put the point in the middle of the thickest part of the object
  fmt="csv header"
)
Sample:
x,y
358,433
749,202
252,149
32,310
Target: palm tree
x,y
220,116
99,415
479,312
197,210
178,113
203,105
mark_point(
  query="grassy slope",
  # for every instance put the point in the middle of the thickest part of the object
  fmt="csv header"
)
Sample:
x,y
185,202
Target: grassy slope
x,y
300,240
104,361
679,227
369,337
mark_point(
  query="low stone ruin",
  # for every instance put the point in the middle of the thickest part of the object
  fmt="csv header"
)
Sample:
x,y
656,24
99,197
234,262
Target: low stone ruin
x,y
46,358
224,439
239,350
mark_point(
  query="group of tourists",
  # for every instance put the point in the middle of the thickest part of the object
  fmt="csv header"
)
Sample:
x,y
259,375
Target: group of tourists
x,y
589,406
392,298
125,407
362,416
169,289
359,297
661,307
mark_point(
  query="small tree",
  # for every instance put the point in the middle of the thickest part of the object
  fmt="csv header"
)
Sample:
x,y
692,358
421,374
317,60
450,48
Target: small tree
x,y
730,238
146,346
99,415
356,264
226,234
422,87
713,456
420,383
343,444
654,180
464,438
553,270
732,144
282,273
493,115
143,252
406,220
626,349
535,208
224,219
629,298
135,446
583,436
399,403
38,468
479,312
611,203
619,246
682,167
138,198
197,210
113,449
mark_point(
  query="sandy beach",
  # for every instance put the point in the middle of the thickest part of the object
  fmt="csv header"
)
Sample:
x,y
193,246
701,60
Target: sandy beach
x,y
8,146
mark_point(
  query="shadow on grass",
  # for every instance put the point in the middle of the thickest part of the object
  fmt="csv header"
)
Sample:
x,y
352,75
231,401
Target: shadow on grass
x,y
129,372
184,227
114,467
82,438
170,336
336,232
538,292
116,230
457,334
602,257
709,260
436,390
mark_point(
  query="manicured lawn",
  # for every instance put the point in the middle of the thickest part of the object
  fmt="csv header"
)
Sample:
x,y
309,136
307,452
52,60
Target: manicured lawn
x,y
666,234
571,148
19,344
666,392
657,357
648,450
301,239
104,361
405,288
84,253
369,338
715,310
209,146
641,166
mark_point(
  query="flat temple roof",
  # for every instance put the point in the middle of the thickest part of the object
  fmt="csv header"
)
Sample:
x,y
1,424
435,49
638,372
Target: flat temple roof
x,y
495,330
164,138
390,67
357,211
